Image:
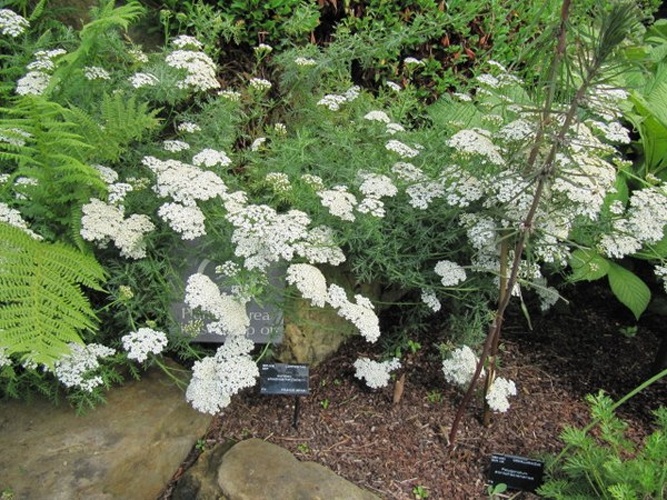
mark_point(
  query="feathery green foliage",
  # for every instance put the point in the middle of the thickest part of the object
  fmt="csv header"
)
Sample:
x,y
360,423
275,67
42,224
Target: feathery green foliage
x,y
42,305
610,466
55,156
123,120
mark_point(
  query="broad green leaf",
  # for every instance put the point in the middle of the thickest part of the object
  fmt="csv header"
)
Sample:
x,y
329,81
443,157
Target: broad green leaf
x,y
588,265
629,289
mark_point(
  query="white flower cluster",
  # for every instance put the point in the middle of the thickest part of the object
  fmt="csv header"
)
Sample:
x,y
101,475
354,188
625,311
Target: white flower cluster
x,y
103,222
143,342
187,220
5,360
339,201
661,272
13,218
334,101
38,77
310,282
393,86
402,149
413,61
450,272
216,379
200,70
260,84
375,373
183,182
263,236
77,368
304,61
186,41
14,136
263,48
377,116
319,247
431,300
279,182
175,146
230,95
375,186
421,190
211,158
229,312
360,313
257,144
476,142
605,101
11,23
140,80
497,395
188,127
460,366
96,73
314,181
464,190
116,190
644,222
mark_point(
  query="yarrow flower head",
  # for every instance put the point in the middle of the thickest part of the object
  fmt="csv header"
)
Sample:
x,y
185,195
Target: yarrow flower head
x,y
310,282
77,369
376,374
183,182
229,312
200,70
304,61
497,395
450,272
11,23
403,150
188,127
260,84
377,116
359,313
174,146
216,379
460,366
186,220
143,342
339,201
185,41
140,80
13,218
431,300
211,158
96,73
102,222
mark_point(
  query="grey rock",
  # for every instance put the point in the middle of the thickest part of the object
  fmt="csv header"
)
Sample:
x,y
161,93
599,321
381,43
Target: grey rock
x,y
257,470
128,448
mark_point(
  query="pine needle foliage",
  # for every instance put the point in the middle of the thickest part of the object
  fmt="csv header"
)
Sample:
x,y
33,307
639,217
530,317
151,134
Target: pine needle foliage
x,y
42,305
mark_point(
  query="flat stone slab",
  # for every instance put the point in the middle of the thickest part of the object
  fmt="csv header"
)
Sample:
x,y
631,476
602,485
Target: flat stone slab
x,y
257,470
128,448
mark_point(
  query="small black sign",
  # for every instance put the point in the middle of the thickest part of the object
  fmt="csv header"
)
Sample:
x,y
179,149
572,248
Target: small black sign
x,y
518,473
282,378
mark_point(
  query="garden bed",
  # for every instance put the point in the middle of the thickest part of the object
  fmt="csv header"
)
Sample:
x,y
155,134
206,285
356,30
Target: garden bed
x,y
393,449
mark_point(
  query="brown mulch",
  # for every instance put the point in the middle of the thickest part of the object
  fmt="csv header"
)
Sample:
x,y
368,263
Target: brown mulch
x,y
390,449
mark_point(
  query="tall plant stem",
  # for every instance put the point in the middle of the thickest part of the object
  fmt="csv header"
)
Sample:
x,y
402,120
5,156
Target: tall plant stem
x,y
544,175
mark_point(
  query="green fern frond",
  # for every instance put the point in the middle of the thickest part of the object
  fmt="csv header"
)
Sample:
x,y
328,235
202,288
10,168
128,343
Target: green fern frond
x,y
42,305
108,16
123,121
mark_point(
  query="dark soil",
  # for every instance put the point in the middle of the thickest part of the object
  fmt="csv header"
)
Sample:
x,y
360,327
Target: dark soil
x,y
390,449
